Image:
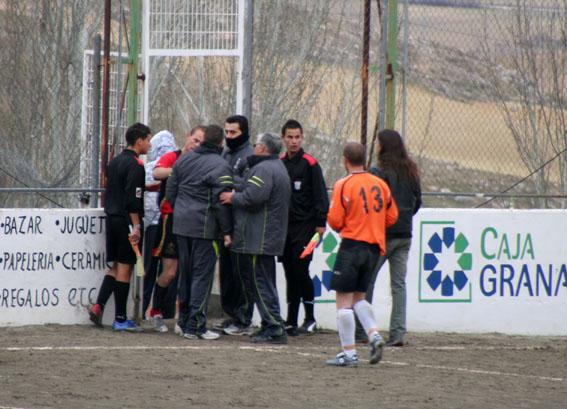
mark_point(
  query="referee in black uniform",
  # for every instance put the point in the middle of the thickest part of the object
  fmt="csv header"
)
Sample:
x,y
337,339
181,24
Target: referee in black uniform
x,y
307,215
124,207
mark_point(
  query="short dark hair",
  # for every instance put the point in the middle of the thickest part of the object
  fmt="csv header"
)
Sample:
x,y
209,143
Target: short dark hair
x,y
291,124
135,132
355,153
214,134
240,120
197,128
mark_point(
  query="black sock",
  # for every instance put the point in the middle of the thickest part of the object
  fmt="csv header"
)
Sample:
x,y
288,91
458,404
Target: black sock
x,y
308,306
121,291
159,296
106,290
292,311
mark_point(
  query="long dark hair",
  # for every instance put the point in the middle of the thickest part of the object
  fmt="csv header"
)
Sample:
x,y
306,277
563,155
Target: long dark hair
x,y
393,156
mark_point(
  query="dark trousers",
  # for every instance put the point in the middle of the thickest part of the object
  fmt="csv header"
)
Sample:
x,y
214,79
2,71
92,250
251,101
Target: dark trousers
x,y
299,285
197,259
152,265
245,308
231,293
262,270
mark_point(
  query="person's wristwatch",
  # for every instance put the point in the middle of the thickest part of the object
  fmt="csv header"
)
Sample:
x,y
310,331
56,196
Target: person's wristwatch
x,y
138,226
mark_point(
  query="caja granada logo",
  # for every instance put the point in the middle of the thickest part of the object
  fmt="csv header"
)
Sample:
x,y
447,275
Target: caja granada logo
x,y
445,264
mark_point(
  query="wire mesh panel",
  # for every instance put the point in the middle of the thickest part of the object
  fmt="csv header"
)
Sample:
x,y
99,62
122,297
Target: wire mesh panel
x,y
194,25
117,116
484,86
191,28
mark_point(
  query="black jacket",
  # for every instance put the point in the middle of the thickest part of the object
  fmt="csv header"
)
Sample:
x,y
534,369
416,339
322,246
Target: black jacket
x,y
309,198
125,185
408,199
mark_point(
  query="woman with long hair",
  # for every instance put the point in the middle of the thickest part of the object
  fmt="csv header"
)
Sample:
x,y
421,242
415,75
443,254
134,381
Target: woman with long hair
x,y
402,175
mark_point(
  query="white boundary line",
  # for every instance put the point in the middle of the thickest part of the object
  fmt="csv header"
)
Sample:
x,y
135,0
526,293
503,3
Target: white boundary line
x,y
282,349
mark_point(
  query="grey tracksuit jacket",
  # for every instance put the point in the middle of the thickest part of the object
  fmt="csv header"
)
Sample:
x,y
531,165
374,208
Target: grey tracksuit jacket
x,y
261,209
193,190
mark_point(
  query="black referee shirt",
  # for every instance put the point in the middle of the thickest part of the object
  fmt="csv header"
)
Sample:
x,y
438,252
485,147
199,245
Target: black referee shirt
x,y
309,199
125,185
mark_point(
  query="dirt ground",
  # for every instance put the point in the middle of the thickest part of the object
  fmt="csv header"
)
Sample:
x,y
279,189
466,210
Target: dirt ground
x,y
80,366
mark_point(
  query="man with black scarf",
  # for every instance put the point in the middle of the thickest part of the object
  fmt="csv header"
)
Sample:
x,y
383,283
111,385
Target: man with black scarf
x,y
234,301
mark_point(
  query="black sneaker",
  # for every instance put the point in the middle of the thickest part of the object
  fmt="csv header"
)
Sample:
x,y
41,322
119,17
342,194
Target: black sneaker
x,y
308,327
291,330
261,338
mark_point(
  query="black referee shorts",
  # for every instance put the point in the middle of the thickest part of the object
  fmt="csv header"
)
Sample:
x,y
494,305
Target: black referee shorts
x,y
118,247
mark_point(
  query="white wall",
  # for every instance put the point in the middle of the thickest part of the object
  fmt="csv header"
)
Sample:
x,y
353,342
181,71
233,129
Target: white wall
x,y
516,283
52,263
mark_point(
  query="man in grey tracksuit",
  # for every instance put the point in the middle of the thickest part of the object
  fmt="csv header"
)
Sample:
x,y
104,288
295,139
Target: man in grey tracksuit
x,y
260,213
193,190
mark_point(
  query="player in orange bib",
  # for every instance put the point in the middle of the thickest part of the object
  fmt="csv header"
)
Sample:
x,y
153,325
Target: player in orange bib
x,y
361,209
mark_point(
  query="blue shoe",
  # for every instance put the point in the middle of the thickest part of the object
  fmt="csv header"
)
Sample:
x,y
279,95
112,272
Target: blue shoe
x,y
127,325
342,360
376,348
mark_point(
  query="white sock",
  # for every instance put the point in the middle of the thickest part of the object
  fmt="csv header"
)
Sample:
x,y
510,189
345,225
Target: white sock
x,y
346,325
365,315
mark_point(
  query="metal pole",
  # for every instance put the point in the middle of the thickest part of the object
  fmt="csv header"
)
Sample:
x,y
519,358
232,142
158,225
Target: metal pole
x,y
132,118
95,141
133,55
105,93
247,73
365,58
405,91
391,65
383,66
117,131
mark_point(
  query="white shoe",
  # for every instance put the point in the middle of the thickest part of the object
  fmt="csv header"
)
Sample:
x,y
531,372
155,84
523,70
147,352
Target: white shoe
x,y
236,330
177,330
158,324
219,326
209,335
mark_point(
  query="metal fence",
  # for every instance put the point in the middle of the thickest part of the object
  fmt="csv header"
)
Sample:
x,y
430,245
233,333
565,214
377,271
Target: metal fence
x,y
485,107
479,92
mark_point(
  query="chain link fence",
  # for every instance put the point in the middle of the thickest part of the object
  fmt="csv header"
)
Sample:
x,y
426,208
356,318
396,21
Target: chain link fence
x,y
480,85
485,104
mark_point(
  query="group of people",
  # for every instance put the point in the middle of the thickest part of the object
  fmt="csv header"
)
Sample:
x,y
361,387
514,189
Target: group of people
x,y
223,198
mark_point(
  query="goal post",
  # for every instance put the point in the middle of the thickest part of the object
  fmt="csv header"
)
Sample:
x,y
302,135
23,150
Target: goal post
x,y
192,28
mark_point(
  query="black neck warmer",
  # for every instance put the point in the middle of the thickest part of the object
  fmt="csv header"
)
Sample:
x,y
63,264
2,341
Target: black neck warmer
x,y
234,143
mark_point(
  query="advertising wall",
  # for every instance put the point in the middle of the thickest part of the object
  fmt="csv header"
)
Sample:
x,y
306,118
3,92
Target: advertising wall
x,y
472,271
51,265
468,271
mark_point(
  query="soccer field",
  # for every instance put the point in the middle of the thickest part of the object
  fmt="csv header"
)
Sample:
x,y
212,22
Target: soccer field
x,y
80,366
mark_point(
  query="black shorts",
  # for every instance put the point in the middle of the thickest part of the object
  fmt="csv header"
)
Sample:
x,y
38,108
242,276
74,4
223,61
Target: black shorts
x,y
354,266
298,236
166,241
118,247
